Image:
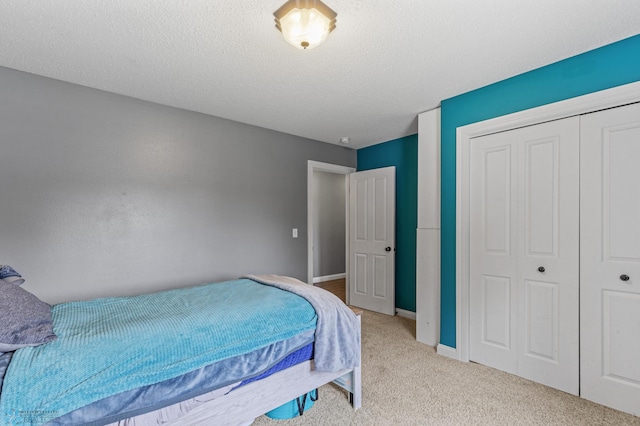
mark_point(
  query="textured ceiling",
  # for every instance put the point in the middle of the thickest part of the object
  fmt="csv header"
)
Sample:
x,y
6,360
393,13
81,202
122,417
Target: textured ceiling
x,y
386,61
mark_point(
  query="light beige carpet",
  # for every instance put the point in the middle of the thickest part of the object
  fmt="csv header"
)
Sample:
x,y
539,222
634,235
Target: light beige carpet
x,y
407,383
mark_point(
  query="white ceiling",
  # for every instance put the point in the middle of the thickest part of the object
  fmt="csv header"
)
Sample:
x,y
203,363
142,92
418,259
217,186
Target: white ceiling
x,y
386,61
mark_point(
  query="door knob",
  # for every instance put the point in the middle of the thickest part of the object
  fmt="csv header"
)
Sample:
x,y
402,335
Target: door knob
x,y
541,269
387,249
624,277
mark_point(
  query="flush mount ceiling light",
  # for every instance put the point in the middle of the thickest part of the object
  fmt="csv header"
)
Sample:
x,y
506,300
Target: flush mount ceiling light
x,y
305,23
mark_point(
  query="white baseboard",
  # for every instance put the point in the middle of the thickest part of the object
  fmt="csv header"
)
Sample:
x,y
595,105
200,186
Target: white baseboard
x,y
447,351
329,278
405,314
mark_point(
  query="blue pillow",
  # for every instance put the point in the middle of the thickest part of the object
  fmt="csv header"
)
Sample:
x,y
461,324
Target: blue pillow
x,y
25,320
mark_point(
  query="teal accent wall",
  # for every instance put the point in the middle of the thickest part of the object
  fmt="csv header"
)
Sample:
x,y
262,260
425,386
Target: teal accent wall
x,y
402,153
609,66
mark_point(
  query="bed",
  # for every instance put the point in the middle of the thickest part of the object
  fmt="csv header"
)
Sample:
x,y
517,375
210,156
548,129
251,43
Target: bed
x,y
221,353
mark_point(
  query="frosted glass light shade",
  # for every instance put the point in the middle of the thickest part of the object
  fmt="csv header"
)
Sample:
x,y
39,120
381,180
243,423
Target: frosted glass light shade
x,y
305,23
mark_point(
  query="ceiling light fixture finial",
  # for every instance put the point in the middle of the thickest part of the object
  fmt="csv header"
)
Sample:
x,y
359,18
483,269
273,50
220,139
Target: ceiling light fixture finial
x,y
305,23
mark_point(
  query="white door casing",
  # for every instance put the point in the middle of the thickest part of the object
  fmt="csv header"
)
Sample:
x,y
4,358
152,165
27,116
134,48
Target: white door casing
x,y
524,252
610,258
372,240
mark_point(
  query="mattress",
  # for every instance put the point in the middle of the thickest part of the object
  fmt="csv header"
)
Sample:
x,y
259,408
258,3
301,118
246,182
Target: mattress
x,y
224,376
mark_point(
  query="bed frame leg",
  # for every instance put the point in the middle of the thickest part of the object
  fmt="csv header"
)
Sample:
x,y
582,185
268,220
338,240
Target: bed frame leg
x,y
355,395
352,381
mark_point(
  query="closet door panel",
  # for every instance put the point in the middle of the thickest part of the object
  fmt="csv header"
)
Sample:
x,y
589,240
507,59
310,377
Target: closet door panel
x,y
541,196
621,181
493,265
610,258
496,312
541,320
548,261
621,314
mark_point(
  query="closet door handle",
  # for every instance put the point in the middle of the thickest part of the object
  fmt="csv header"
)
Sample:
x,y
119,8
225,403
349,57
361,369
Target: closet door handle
x,y
624,277
387,249
541,269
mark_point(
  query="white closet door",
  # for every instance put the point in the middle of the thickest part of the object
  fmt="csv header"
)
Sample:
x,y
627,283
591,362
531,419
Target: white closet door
x,y
610,258
493,252
548,262
524,252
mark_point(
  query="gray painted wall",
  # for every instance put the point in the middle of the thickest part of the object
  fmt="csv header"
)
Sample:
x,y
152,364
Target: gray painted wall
x,y
102,194
329,224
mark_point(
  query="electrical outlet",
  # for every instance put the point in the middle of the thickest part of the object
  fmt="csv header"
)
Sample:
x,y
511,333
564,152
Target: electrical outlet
x,y
295,232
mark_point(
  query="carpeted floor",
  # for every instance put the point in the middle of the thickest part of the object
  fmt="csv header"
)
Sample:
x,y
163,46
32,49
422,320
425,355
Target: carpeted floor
x,y
407,383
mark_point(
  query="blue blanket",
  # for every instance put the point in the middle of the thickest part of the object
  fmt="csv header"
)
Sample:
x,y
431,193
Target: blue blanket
x,y
110,345
337,341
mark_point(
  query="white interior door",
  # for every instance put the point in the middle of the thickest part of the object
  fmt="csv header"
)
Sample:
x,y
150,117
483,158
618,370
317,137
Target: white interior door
x,y
610,258
372,240
524,261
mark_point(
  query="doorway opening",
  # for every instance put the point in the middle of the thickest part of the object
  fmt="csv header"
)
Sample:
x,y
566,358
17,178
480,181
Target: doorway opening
x,y
328,212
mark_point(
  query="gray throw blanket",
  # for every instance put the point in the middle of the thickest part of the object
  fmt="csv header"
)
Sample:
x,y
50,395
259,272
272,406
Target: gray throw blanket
x,y
337,342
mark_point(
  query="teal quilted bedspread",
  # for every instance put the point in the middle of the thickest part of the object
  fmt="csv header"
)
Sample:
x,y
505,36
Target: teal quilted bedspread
x,y
110,345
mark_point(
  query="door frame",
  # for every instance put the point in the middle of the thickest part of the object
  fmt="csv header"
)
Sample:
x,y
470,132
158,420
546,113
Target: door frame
x,y
609,98
317,166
